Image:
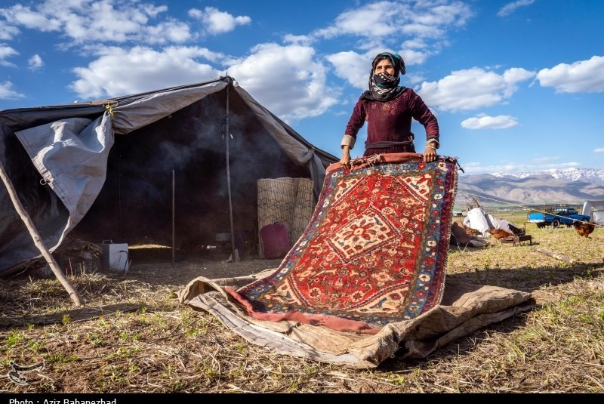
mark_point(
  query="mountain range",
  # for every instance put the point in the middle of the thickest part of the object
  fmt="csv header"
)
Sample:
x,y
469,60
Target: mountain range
x,y
567,186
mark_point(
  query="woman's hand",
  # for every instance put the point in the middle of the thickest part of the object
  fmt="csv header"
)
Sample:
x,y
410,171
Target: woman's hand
x,y
429,154
345,160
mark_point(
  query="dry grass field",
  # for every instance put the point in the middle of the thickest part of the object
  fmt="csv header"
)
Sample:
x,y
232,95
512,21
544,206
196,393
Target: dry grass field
x,y
132,336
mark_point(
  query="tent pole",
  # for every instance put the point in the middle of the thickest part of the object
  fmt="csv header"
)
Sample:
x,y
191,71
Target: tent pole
x,y
37,239
119,195
235,253
173,217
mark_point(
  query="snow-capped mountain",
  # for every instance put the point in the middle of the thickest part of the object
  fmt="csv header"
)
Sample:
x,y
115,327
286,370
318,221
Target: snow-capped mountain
x,y
593,175
573,185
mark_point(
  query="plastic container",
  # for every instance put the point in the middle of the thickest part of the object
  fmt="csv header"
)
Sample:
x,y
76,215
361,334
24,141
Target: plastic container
x,y
275,240
115,257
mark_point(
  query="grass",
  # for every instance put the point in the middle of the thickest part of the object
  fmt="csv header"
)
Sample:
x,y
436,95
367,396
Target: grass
x,y
133,336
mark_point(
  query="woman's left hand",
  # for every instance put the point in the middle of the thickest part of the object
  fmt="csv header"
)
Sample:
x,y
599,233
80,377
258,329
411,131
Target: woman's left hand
x,y
429,154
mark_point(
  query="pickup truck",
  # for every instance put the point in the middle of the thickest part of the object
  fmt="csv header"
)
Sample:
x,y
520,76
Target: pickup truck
x,y
556,216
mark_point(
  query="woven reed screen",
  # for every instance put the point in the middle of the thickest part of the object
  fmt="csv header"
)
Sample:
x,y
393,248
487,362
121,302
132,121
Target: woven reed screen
x,y
286,200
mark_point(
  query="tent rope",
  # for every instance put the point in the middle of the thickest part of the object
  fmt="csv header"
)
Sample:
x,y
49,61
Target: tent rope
x,y
519,206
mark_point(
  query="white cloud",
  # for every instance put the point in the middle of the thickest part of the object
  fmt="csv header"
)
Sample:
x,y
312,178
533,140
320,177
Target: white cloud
x,y
599,150
285,79
6,52
472,88
7,32
512,77
416,43
35,62
420,25
490,122
584,76
87,21
119,72
7,93
511,7
415,79
377,19
414,57
166,32
418,18
352,67
218,22
28,18
304,40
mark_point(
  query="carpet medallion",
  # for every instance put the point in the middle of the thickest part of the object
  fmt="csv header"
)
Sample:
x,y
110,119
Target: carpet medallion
x,y
374,252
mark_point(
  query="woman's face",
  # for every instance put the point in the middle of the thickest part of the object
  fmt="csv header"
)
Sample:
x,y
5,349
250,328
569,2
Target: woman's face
x,y
384,66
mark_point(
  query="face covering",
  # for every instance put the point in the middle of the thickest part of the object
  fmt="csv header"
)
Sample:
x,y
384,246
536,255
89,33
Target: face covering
x,y
383,87
384,80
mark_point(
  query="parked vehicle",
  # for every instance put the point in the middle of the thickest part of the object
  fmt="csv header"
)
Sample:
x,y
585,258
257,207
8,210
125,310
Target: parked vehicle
x,y
555,216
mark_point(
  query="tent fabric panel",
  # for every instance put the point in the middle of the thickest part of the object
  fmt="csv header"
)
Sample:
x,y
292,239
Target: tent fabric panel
x,y
71,155
23,118
326,158
146,110
296,150
16,243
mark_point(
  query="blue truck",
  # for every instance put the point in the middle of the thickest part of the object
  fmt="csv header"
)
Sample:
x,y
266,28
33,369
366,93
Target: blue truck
x,y
555,216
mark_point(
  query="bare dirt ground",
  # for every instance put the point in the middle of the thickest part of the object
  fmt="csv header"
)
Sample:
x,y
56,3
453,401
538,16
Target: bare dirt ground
x,y
181,273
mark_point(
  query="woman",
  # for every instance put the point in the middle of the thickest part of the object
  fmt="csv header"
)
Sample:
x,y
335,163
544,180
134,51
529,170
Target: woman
x,y
388,110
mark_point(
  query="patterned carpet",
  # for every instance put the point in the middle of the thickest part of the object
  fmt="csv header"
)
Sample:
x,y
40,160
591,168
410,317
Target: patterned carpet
x,y
375,251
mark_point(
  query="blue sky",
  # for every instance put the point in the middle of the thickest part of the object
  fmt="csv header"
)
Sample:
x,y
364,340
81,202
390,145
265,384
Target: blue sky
x,y
516,85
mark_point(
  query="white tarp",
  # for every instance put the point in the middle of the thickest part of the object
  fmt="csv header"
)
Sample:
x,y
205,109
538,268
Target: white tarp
x,y
595,211
478,219
71,155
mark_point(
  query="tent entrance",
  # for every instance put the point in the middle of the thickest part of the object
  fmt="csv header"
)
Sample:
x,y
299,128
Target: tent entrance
x,y
167,183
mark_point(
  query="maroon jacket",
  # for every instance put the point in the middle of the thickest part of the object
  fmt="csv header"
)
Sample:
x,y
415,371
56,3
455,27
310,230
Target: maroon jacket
x,y
391,121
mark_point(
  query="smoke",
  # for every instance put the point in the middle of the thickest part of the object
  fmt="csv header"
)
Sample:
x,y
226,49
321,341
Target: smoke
x,y
186,154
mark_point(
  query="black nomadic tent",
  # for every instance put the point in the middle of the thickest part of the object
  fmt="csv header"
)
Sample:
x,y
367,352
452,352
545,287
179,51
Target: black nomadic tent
x,y
109,169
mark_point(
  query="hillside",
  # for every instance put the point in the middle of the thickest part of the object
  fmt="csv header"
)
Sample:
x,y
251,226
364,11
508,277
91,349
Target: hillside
x,y
563,186
592,175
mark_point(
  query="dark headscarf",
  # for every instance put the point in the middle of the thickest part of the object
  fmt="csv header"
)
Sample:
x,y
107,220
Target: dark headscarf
x,y
383,87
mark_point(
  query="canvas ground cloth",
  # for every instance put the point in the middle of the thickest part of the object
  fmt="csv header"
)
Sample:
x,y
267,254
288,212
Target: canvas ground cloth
x,y
368,274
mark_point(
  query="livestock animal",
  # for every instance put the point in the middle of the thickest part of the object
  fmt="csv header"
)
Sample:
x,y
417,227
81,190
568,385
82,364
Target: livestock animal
x,y
499,233
516,230
584,229
471,231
